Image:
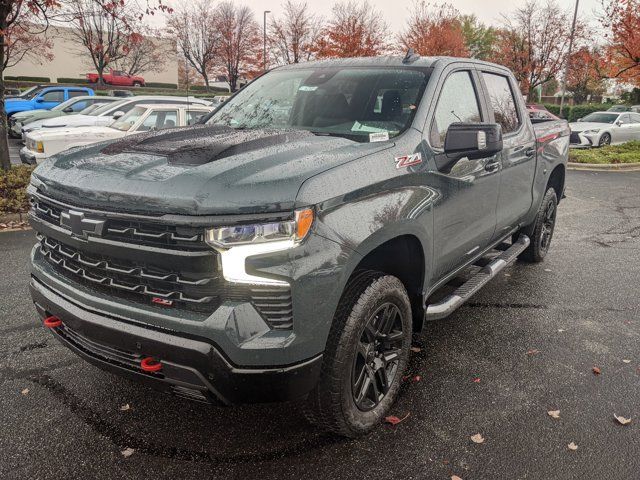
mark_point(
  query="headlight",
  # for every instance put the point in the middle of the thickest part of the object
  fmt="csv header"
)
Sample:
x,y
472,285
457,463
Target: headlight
x,y
39,147
591,132
236,244
293,230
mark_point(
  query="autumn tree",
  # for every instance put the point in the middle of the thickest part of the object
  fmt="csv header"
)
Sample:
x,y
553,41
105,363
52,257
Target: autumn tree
x,y
238,51
622,19
534,42
434,30
355,29
195,29
293,35
478,38
584,78
146,55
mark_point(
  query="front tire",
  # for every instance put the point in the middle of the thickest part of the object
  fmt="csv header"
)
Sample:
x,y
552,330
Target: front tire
x,y
366,356
542,229
605,140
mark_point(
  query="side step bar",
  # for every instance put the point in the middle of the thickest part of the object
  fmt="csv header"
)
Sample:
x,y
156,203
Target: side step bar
x,y
449,304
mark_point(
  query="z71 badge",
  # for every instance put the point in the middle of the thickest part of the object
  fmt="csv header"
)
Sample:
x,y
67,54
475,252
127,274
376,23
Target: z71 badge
x,y
408,160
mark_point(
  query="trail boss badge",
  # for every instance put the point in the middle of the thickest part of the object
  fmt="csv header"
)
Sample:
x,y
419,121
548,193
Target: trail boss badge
x,y
408,160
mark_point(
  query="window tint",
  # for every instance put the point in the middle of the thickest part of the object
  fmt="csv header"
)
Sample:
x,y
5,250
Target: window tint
x,y
502,101
457,103
81,105
53,96
635,117
626,118
76,93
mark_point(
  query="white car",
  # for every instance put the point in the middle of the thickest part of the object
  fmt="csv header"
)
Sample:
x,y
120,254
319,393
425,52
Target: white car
x,y
108,113
605,128
41,144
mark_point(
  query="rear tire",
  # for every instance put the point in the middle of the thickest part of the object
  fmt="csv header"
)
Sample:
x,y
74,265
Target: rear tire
x,y
137,84
542,229
365,358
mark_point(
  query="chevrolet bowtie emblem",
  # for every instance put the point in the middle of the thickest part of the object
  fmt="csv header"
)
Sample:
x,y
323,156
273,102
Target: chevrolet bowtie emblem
x,y
79,225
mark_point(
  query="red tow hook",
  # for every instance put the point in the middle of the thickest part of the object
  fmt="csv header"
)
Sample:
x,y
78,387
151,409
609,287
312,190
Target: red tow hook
x,y
150,364
52,322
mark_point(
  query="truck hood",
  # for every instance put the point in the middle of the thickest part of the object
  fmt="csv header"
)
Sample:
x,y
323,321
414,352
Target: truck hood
x,y
202,170
582,126
76,121
22,115
68,134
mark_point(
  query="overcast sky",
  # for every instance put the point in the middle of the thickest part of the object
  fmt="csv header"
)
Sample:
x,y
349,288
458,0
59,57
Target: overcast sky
x,y
396,11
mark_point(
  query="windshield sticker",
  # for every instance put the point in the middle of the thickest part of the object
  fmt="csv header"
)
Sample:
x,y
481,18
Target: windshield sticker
x,y
408,160
378,137
308,88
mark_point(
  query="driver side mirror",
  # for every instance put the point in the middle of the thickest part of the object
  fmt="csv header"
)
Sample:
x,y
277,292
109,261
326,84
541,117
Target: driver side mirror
x,y
68,110
118,115
40,100
472,140
619,123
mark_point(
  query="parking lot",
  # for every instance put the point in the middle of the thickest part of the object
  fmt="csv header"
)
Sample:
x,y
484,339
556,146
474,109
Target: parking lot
x,y
525,345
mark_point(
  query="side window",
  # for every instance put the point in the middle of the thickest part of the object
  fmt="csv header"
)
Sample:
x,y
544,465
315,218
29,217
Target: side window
x,y
159,120
76,93
53,96
502,101
125,108
81,105
457,103
635,117
194,116
626,118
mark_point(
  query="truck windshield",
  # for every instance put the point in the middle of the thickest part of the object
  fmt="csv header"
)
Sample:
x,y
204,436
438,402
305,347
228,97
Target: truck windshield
x,y
363,104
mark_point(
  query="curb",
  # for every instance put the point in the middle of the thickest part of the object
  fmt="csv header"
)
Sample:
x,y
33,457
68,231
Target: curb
x,y
607,167
11,222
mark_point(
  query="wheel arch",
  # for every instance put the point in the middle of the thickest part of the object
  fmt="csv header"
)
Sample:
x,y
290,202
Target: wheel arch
x,y
557,181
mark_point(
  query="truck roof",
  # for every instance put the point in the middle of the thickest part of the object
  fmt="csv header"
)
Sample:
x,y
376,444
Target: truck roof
x,y
384,61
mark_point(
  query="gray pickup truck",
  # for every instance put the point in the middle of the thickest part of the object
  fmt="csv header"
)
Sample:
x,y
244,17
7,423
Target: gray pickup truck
x,y
289,246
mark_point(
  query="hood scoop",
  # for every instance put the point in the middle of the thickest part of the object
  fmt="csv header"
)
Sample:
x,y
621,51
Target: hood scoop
x,y
202,144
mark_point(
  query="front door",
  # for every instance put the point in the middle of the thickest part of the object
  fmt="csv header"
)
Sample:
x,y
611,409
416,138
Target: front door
x,y
465,212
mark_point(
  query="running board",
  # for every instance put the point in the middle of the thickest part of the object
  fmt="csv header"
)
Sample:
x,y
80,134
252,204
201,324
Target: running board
x,y
463,293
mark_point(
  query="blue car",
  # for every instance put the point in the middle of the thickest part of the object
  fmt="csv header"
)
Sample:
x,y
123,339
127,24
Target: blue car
x,y
44,99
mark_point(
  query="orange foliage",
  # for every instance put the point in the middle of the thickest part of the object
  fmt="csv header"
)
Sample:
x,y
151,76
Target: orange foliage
x,y
355,29
434,31
623,52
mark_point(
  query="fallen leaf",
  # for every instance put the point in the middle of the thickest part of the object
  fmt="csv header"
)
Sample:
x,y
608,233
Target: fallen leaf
x,y
416,349
596,371
507,274
125,407
547,270
393,420
476,380
127,452
25,391
455,477
417,378
621,420
477,438
626,361
561,330
554,413
533,352
572,446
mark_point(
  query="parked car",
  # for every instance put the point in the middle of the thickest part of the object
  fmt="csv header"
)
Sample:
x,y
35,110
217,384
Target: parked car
x,y
120,93
635,108
266,257
11,92
618,108
71,106
605,128
108,113
42,144
28,93
539,115
117,77
44,99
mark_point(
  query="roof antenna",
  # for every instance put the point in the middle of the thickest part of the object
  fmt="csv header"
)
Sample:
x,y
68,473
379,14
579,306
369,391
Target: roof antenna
x,y
411,56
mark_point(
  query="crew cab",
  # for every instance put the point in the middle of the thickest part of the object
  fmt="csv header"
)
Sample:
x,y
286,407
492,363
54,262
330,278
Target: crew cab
x,y
44,99
117,78
42,144
108,113
290,245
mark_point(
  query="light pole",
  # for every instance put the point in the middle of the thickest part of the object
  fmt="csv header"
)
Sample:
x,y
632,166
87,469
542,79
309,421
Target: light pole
x,y
566,68
264,38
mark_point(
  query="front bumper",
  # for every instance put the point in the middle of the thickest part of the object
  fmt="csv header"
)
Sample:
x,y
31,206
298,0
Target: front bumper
x,y
192,367
30,157
582,140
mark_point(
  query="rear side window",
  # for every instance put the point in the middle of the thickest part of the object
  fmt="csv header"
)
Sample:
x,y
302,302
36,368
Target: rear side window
x,y
503,101
76,93
54,96
635,117
457,103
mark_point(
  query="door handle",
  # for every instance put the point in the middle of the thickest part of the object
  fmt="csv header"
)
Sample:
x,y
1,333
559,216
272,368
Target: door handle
x,y
492,166
530,152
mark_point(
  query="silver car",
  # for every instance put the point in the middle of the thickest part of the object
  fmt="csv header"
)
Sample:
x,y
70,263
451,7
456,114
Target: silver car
x,y
605,128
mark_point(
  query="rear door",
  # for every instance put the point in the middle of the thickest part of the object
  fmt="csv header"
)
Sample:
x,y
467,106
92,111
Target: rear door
x,y
629,129
465,214
50,98
518,157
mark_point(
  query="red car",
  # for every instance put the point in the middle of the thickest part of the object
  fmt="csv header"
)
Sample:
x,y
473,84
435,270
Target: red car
x,y
117,77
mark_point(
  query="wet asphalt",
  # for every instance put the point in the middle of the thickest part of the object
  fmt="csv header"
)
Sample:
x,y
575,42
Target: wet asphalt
x,y
525,345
